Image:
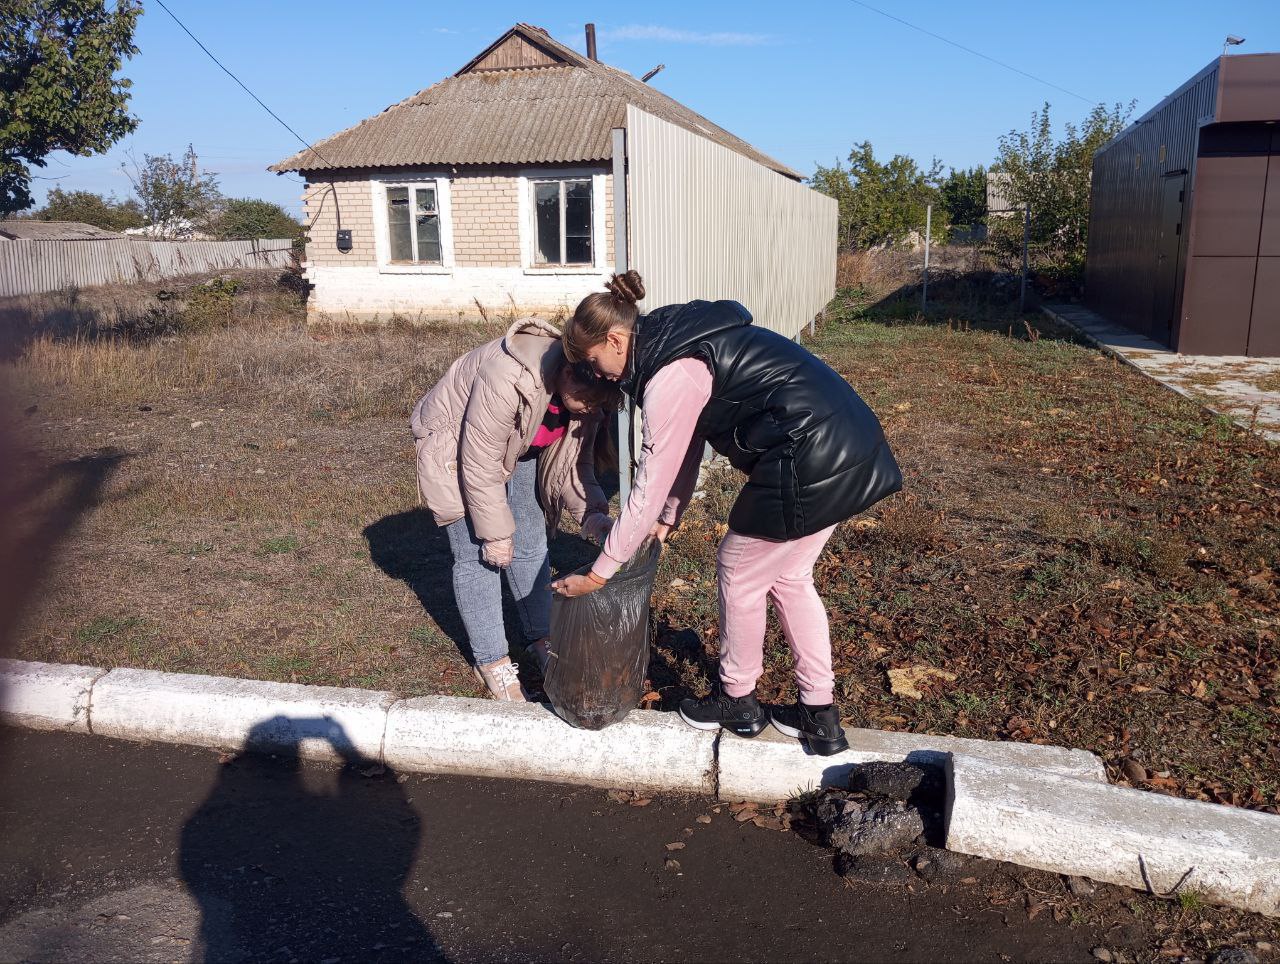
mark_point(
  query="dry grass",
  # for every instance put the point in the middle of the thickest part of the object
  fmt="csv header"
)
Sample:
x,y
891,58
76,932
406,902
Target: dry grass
x,y
347,373
880,272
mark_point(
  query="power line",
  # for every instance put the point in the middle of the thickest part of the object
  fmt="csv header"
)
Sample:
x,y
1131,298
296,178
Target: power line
x,y
968,50
226,71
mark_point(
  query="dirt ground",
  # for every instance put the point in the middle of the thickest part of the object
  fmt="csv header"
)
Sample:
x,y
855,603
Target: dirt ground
x,y
1078,556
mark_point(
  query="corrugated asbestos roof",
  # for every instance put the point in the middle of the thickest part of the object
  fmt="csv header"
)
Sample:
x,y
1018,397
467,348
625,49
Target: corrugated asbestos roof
x,y
533,115
54,231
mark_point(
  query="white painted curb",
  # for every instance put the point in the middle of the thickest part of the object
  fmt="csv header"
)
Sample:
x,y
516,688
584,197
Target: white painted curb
x,y
322,722
646,751
46,696
1131,837
772,767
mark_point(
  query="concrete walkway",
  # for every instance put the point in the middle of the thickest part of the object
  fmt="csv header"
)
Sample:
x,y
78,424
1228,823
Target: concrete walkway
x,y
1246,390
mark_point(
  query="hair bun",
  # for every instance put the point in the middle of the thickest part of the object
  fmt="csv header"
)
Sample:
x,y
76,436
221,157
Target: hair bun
x,y
626,287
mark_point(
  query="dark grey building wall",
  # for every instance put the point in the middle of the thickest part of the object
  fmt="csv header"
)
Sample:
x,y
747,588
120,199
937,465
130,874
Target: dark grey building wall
x,y
1131,242
1184,242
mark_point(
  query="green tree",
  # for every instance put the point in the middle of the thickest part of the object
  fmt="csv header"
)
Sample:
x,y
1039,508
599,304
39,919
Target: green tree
x,y
89,208
964,196
58,85
1051,176
175,197
881,203
243,219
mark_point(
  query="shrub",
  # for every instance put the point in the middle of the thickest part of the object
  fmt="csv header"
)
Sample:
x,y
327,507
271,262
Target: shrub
x,y
246,219
208,305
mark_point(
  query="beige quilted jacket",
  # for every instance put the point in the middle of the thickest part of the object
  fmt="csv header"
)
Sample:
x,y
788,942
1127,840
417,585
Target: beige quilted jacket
x,y
480,418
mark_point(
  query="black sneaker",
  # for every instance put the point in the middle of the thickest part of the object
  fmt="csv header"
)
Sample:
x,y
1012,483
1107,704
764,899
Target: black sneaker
x,y
819,728
741,715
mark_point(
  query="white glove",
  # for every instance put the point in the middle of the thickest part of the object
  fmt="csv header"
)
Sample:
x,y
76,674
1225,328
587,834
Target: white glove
x,y
596,526
498,552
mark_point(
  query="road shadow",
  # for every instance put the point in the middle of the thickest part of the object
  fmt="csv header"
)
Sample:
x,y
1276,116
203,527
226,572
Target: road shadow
x,y
409,546
310,864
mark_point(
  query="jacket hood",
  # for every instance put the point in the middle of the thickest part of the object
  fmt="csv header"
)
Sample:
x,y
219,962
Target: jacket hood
x,y
535,344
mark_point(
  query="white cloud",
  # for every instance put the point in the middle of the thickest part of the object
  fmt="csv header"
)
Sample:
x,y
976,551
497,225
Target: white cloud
x,y
637,31
444,30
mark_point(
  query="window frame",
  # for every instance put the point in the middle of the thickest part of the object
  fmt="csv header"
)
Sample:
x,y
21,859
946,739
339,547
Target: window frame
x,y
412,180
529,220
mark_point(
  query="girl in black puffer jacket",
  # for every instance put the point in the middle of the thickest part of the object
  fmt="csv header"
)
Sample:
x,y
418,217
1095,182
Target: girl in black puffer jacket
x,y
814,455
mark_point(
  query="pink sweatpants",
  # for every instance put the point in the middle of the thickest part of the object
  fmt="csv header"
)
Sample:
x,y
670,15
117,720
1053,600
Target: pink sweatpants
x,y
753,571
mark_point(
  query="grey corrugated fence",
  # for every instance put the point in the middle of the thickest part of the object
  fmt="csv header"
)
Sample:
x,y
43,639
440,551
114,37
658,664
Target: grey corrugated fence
x,y
29,267
707,222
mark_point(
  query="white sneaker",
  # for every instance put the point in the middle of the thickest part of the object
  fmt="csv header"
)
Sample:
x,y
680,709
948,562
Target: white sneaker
x,y
502,680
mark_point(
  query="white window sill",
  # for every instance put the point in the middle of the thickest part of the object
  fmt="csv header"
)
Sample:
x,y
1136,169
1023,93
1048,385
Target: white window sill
x,y
414,269
565,269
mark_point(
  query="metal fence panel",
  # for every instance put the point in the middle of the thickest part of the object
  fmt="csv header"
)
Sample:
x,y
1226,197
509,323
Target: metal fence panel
x,y
707,222
29,267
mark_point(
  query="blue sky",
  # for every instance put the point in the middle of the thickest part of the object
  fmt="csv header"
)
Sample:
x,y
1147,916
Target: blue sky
x,y
802,82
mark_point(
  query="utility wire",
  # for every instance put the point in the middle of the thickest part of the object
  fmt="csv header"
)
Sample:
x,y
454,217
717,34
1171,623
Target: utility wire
x,y
226,71
968,50
307,144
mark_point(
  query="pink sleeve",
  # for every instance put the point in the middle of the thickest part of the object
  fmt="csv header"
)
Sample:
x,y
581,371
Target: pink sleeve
x,y
674,399
686,481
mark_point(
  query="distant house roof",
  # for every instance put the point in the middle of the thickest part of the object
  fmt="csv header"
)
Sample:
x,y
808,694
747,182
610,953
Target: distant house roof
x,y
525,99
53,231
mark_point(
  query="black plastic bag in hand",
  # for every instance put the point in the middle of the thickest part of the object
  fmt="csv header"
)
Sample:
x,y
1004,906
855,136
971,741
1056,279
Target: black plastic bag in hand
x,y
600,645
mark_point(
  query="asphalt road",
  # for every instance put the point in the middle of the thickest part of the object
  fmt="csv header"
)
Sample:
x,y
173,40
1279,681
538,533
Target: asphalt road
x,y
113,851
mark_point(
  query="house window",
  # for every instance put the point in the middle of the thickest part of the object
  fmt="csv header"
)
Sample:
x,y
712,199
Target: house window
x,y
562,221
413,223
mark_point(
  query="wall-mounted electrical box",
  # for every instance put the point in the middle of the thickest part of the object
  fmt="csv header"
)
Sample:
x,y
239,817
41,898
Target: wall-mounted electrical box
x,y
344,240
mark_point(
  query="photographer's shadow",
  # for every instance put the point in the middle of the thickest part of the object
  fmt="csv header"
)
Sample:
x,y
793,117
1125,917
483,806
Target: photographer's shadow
x,y
290,863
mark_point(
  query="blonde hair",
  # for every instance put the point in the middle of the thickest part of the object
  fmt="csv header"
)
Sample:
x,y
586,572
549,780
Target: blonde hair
x,y
598,314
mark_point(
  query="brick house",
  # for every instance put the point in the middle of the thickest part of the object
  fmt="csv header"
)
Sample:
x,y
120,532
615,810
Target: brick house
x,y
493,187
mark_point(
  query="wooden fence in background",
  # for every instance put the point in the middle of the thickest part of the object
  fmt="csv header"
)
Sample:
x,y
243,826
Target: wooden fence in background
x,y
30,267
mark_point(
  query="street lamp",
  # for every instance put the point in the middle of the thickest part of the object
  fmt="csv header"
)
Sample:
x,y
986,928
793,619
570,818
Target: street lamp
x,y
1231,41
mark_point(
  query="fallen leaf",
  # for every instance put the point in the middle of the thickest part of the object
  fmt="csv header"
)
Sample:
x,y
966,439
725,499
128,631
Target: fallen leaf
x,y
641,802
704,818
678,845
905,681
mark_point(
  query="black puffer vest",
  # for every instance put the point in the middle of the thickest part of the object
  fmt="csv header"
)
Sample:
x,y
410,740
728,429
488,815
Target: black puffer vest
x,y
814,452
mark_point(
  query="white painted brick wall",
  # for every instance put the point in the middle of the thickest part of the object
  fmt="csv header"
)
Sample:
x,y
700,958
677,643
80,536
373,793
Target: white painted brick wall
x,y
364,292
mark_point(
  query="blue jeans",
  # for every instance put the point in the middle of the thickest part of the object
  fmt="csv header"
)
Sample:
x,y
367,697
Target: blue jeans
x,y
477,586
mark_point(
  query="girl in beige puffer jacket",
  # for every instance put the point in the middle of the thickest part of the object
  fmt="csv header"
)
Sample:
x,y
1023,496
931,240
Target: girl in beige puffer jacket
x,y
506,442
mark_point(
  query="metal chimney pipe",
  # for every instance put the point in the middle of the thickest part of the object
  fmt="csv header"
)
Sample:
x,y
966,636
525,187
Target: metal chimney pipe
x,y
591,42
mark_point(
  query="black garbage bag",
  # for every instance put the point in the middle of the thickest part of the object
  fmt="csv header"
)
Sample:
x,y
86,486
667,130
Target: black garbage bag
x,y
600,645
